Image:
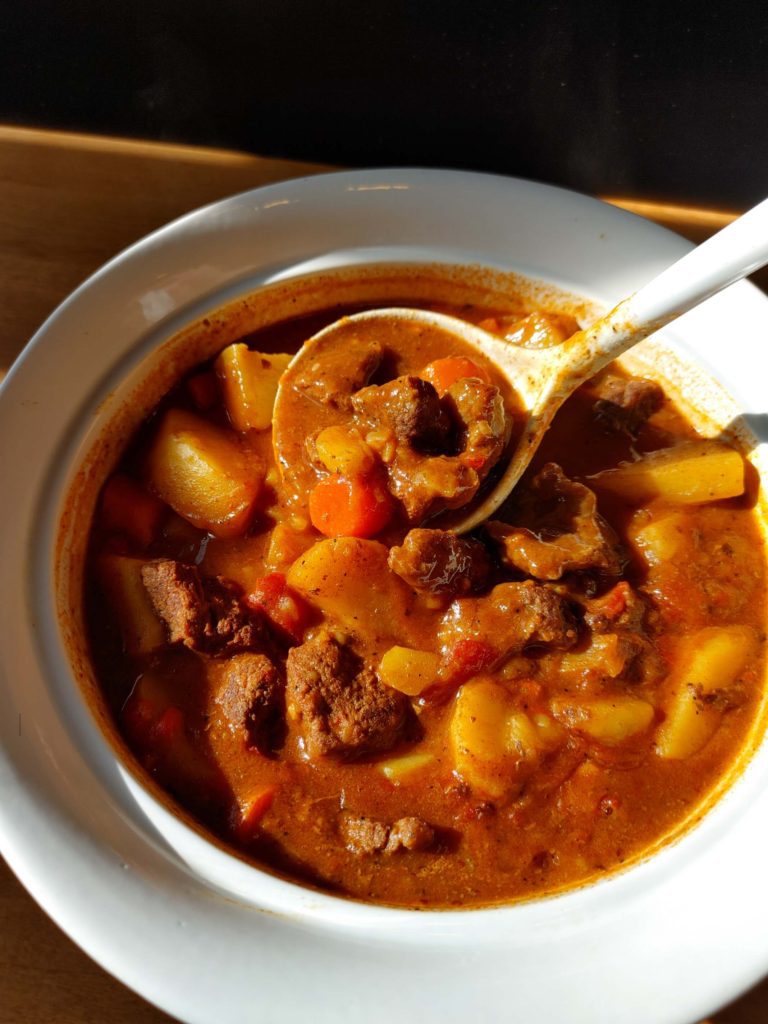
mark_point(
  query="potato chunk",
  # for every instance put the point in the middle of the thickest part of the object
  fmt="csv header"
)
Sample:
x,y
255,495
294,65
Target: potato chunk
x,y
716,656
348,579
343,450
610,720
711,660
689,474
659,541
399,769
407,670
203,474
495,745
141,629
287,543
249,384
690,724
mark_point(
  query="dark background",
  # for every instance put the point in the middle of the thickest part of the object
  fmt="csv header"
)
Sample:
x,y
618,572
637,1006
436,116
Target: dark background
x,y
656,99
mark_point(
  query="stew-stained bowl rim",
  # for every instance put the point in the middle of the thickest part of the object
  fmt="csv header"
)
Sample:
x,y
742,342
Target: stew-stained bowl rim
x,y
95,849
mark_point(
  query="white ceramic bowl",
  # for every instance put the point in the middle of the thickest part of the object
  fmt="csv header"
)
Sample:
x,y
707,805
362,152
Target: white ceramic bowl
x,y
204,935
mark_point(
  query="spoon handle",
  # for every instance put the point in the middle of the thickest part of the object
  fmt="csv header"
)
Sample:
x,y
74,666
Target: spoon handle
x,y
737,250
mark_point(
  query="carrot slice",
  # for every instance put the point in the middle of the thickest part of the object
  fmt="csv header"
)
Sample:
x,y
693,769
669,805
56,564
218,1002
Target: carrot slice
x,y
249,816
444,372
349,508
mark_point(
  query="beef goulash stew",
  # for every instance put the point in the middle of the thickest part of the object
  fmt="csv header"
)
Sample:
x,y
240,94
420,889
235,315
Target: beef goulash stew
x,y
330,681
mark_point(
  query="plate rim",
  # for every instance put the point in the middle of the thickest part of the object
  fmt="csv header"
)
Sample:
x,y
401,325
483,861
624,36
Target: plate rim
x,y
33,880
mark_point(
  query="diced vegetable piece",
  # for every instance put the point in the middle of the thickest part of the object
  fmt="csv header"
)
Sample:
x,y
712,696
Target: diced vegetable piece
x,y
398,769
689,474
408,670
251,812
690,724
284,607
249,383
287,543
549,732
714,657
141,629
522,735
495,745
343,450
479,736
203,474
348,579
466,658
359,507
443,372
613,603
608,720
659,541
711,660
158,727
146,707
169,727
606,654
128,509
537,330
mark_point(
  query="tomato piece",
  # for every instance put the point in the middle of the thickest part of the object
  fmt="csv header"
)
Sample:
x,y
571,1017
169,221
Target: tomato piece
x,y
614,603
128,509
169,727
443,372
249,815
359,507
149,724
284,607
468,658
138,717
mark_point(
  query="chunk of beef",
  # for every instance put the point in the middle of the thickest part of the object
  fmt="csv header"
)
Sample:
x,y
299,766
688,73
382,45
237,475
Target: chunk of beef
x,y
234,625
411,408
624,405
624,613
621,608
513,617
556,529
337,371
478,409
251,699
366,835
363,835
176,593
470,420
205,614
427,485
410,833
338,703
440,562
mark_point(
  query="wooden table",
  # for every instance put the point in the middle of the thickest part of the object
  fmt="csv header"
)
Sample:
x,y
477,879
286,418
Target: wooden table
x,y
67,203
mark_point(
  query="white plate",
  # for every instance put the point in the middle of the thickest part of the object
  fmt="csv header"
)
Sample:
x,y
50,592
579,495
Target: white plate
x,y
666,941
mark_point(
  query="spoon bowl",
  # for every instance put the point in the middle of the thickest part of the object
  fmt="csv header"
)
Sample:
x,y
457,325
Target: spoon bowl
x,y
543,378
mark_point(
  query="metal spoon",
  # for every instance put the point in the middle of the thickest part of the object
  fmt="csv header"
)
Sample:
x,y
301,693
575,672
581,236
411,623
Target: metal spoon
x,y
544,378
